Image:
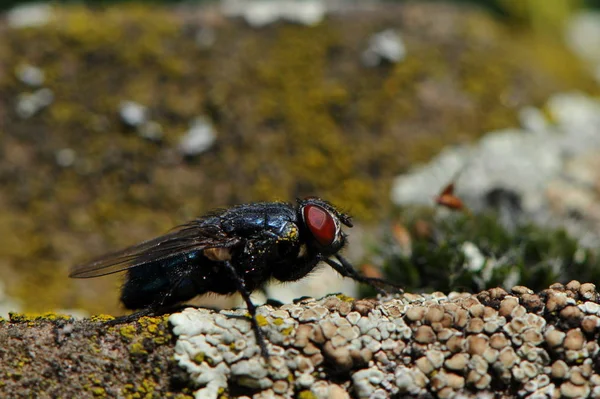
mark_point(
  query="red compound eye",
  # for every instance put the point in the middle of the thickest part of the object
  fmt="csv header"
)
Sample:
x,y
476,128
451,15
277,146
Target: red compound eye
x,y
320,223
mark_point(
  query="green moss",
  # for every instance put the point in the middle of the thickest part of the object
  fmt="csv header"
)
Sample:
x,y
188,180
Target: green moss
x,y
528,255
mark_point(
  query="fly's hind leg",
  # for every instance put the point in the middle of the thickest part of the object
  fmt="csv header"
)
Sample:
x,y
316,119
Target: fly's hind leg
x,y
149,311
241,287
156,309
131,317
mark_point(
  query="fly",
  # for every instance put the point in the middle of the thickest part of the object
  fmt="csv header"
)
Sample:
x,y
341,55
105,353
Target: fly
x,y
227,251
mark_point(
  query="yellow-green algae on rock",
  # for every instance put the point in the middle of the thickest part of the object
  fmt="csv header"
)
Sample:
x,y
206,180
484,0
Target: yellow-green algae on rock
x,y
295,113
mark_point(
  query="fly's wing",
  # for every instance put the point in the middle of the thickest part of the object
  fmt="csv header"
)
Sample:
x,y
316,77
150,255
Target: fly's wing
x,y
193,236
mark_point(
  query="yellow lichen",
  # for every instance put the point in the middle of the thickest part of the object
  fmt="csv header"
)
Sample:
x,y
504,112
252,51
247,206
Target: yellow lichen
x,y
261,320
137,348
128,332
98,391
345,298
32,317
306,395
199,357
101,318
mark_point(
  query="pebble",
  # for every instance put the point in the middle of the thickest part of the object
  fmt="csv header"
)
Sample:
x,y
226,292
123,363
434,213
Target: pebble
x,y
199,137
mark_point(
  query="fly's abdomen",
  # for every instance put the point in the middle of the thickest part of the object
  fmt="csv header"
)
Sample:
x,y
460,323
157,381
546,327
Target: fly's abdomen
x,y
162,283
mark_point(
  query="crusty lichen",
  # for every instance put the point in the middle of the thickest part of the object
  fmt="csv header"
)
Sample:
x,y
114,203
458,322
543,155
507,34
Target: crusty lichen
x,y
417,345
38,350
33,317
510,343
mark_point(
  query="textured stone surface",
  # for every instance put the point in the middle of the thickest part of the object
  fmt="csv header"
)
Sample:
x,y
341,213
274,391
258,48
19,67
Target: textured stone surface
x,y
531,345
512,343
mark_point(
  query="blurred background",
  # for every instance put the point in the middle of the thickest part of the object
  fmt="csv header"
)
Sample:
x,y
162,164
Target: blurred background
x,y
120,120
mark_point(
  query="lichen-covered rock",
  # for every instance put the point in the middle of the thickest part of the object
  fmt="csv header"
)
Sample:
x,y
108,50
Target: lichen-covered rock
x,y
531,351
340,351
52,355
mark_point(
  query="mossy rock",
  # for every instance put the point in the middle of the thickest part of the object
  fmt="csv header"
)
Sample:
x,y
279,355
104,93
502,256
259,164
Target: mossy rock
x,y
295,113
427,250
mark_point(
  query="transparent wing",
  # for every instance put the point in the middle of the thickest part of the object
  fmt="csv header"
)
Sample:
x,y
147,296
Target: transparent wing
x,y
193,236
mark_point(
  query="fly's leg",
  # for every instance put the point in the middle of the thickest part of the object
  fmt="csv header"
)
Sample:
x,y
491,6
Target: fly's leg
x,y
131,317
241,287
149,311
159,308
345,269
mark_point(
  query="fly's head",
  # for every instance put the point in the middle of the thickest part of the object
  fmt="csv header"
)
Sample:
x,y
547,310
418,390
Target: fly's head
x,y
323,224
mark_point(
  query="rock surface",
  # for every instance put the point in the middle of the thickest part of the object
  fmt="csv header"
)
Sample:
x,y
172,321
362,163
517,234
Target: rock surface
x,y
531,345
515,343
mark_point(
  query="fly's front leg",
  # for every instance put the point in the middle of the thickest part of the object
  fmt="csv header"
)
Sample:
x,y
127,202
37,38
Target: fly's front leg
x,y
241,287
345,269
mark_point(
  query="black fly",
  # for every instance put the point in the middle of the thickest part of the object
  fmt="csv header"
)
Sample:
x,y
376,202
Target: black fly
x,y
228,251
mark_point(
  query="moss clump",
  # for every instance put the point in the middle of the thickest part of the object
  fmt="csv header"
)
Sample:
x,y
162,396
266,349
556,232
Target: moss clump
x,y
475,252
